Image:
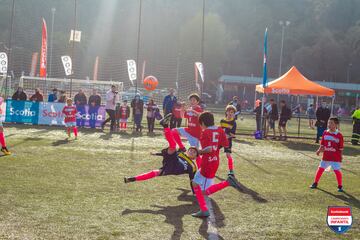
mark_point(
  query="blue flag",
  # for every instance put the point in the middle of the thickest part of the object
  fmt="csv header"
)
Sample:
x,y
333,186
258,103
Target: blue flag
x,y
265,60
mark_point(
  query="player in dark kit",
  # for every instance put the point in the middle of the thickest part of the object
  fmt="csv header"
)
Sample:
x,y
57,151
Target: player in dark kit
x,y
174,162
228,124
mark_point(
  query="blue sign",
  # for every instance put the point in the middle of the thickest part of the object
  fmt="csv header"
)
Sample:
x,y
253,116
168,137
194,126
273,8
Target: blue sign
x,y
50,113
22,111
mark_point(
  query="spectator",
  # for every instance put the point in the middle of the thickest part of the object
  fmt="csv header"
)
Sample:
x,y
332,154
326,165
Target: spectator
x,y
19,95
169,102
112,98
178,113
273,116
80,100
257,112
94,104
285,115
311,115
124,115
137,106
322,117
236,103
356,127
62,97
53,96
151,109
37,97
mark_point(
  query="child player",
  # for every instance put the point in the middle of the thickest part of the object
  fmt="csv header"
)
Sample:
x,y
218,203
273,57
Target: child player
x,y
70,117
124,115
332,145
228,124
193,131
212,139
2,136
174,162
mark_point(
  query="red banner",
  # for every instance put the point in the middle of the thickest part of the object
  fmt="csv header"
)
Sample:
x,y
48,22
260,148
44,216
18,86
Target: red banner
x,y
43,55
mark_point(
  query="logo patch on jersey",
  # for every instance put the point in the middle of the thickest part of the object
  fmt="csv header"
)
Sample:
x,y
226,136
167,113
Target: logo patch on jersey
x,y
339,219
331,138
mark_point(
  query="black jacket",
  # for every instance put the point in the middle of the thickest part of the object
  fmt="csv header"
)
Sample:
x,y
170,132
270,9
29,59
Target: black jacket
x,y
285,113
81,98
95,99
274,113
322,117
20,96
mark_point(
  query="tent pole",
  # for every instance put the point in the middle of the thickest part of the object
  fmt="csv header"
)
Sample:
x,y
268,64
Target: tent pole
x,y
332,105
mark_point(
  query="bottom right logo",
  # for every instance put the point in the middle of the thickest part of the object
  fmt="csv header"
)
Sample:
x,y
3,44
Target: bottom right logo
x,y
339,219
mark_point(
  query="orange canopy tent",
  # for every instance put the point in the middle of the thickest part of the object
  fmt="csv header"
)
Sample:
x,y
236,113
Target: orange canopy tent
x,y
294,83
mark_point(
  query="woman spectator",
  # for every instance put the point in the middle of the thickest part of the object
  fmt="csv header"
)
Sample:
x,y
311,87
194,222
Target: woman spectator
x,y
62,97
137,106
178,113
19,95
37,97
151,109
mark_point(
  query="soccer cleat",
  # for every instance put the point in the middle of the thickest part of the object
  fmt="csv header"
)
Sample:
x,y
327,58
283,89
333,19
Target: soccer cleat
x,y
232,182
340,189
313,186
165,121
201,214
231,173
5,151
129,179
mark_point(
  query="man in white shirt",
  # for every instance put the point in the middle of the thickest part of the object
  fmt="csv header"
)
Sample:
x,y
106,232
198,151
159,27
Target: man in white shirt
x,y
112,97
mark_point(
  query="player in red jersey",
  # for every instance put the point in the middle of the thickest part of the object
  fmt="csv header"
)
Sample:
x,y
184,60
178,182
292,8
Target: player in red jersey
x,y
124,115
193,131
332,146
2,135
70,112
212,139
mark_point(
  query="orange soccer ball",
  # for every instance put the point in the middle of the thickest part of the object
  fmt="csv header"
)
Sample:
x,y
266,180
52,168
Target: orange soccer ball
x,y
150,83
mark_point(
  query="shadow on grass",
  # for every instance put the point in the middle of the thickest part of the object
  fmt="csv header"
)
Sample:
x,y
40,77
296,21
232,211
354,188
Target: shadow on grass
x,y
243,189
241,141
252,163
174,214
346,197
60,142
32,139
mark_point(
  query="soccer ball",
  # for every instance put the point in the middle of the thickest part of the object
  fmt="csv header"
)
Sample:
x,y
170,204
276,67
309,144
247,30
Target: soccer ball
x,y
150,83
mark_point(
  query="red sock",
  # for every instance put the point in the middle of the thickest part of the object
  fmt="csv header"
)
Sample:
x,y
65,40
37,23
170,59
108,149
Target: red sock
x,y
230,162
319,172
68,131
121,125
216,187
177,138
2,139
146,176
200,198
170,138
338,175
125,125
75,131
198,161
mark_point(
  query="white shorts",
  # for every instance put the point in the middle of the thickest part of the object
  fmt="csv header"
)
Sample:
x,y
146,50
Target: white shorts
x,y
202,181
334,165
193,141
70,124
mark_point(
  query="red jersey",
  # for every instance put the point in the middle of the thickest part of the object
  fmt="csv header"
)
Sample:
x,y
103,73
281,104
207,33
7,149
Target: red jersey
x,y
333,143
177,111
70,113
214,138
124,112
194,128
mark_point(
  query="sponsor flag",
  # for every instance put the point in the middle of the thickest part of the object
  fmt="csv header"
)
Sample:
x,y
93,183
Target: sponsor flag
x,y
3,63
265,59
131,64
43,55
96,68
67,63
143,71
34,60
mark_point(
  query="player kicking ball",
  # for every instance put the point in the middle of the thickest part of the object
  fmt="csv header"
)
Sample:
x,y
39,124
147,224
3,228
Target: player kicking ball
x,y
332,146
174,162
212,139
70,112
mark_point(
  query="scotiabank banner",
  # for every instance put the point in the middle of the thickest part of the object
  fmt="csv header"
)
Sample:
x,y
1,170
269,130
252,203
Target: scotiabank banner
x,y
22,111
50,113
